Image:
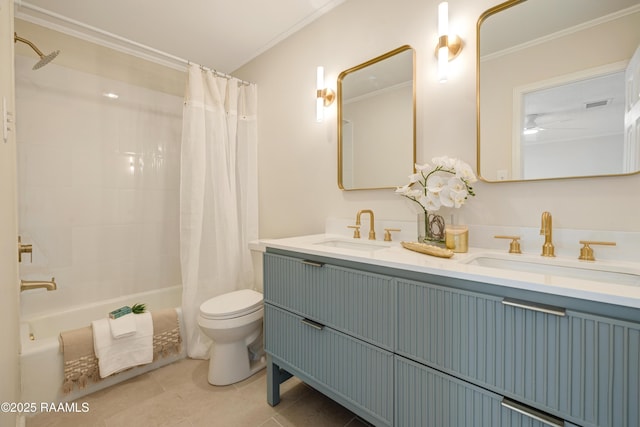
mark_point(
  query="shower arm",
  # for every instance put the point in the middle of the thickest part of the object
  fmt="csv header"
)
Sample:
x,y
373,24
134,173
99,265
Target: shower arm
x,y
17,38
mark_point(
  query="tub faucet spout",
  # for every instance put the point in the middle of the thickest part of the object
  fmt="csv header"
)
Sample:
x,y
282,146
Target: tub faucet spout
x,y
26,285
546,229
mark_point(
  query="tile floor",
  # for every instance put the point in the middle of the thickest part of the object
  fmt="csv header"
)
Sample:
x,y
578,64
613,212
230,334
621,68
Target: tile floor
x,y
179,395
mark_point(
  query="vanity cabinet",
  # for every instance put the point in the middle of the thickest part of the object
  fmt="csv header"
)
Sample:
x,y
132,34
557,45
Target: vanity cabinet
x,y
335,329
571,364
428,397
412,349
359,303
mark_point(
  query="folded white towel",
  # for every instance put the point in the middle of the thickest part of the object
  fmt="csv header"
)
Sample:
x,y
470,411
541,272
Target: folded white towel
x,y
123,326
115,355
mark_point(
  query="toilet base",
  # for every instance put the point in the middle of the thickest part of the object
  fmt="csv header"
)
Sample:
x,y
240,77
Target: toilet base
x,y
229,363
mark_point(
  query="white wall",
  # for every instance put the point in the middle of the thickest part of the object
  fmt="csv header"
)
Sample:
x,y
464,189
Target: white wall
x,y
9,371
298,176
98,183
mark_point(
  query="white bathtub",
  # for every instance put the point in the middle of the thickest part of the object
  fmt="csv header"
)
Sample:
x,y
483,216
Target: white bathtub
x,y
41,363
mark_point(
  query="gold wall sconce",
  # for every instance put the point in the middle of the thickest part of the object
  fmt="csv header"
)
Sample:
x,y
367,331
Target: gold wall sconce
x,y
449,45
324,95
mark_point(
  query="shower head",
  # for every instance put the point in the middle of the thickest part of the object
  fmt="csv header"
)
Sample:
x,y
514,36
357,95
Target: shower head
x,y
44,59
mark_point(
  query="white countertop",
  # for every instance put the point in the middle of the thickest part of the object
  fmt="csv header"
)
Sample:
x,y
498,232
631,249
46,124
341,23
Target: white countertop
x,y
393,255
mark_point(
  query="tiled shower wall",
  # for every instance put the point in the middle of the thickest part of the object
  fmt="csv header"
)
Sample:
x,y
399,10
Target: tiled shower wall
x,y
98,186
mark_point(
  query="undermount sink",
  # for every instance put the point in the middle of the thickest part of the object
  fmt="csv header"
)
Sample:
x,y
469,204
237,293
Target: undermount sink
x,y
596,271
366,246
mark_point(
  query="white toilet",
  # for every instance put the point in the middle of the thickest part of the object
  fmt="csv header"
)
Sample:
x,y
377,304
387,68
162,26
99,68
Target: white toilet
x,y
233,321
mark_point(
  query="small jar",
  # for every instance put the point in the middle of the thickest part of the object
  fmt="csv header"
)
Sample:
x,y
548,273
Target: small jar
x,y
457,238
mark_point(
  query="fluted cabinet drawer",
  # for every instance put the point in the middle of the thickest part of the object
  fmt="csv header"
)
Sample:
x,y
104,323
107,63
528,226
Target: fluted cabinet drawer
x,y
428,398
578,366
358,372
358,303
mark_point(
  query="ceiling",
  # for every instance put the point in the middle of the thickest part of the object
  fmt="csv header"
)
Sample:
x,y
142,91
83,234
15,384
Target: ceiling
x,y
220,34
531,20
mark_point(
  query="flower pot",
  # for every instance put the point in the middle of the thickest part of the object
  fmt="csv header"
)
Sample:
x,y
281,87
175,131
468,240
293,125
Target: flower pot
x,y
430,228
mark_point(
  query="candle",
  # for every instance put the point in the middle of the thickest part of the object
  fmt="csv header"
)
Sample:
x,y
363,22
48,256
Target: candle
x,y
457,238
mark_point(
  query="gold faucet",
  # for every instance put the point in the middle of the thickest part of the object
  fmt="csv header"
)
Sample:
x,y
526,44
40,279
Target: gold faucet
x,y
26,285
372,231
547,229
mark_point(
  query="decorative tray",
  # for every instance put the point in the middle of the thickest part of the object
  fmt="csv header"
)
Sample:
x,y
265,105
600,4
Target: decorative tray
x,y
424,248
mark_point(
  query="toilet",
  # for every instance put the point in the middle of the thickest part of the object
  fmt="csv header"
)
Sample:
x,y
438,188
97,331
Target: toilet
x,y
233,321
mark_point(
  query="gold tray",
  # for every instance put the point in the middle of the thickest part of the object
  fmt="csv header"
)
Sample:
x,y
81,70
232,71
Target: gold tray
x,y
423,248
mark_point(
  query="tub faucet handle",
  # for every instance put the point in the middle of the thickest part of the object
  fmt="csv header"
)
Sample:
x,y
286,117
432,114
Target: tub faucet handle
x,y
24,249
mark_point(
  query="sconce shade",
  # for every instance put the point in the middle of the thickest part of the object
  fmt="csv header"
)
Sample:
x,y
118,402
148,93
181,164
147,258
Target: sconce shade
x,y
449,45
443,19
324,96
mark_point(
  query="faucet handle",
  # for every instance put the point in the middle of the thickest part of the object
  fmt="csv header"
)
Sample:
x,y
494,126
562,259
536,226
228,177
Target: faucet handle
x,y
387,233
586,252
24,249
356,231
514,247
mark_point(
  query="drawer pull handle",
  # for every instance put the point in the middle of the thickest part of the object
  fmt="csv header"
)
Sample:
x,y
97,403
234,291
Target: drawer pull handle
x,y
312,263
532,413
557,311
314,325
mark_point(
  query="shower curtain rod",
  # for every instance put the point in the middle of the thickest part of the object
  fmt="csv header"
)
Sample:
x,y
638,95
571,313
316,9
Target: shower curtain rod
x,y
107,39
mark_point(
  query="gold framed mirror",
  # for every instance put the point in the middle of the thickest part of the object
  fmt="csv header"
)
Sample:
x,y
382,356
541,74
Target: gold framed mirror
x,y
377,122
558,89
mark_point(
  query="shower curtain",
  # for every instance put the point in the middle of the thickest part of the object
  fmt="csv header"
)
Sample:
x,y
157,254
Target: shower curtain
x,y
218,194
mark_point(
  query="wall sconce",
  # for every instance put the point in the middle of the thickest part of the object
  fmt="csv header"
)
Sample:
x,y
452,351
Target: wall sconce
x,y
324,96
449,45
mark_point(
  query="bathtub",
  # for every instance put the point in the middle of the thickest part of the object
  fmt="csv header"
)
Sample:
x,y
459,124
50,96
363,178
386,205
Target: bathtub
x,y
41,363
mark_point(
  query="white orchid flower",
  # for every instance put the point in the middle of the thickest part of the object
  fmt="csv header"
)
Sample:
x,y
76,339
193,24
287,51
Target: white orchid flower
x,y
404,189
415,177
444,162
458,197
443,183
464,172
456,184
436,183
415,194
430,202
426,168
445,197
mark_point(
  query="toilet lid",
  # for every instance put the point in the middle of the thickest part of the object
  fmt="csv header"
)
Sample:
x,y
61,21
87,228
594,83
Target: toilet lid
x,y
232,304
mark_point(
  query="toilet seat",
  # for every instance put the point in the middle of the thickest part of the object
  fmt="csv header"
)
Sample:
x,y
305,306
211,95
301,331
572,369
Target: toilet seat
x,y
231,305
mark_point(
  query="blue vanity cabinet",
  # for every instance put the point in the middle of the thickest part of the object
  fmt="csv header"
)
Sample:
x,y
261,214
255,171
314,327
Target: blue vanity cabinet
x,y
427,397
573,365
334,328
405,348
364,304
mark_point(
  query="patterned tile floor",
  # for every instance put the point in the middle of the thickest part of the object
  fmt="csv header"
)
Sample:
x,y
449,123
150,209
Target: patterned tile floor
x,y
179,395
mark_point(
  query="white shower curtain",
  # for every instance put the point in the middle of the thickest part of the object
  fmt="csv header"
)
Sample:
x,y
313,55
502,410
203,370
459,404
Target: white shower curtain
x,y
218,194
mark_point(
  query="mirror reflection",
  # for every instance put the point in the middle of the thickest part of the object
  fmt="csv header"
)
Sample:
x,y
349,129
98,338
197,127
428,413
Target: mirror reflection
x,y
558,93
376,122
